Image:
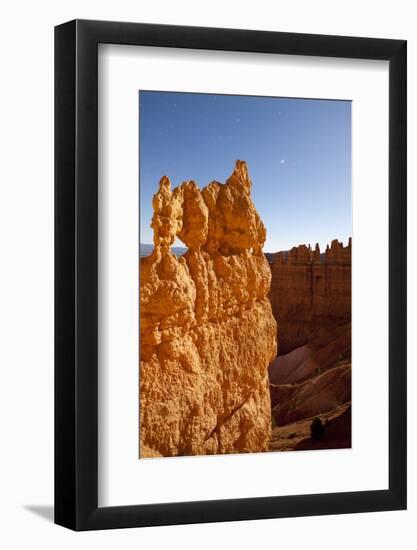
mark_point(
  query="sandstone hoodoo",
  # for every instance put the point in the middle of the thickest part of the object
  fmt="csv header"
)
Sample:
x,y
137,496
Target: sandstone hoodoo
x,y
310,292
207,332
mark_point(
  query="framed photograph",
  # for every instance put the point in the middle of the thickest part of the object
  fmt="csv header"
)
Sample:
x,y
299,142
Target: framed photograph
x,y
230,285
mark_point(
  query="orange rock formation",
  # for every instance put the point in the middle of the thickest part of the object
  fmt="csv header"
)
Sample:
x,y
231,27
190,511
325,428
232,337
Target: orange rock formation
x,y
310,294
207,333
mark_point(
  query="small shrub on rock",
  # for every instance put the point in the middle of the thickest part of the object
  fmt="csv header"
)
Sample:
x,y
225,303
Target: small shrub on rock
x,y
317,429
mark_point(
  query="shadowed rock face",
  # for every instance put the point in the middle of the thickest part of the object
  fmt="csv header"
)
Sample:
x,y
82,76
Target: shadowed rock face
x,y
311,299
207,333
310,293
297,435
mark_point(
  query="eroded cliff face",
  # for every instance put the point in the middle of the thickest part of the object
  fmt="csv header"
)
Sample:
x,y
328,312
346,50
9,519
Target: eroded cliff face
x,y
310,292
207,332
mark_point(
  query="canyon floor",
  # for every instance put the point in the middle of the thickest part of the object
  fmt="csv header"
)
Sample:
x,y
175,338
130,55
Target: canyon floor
x,y
313,381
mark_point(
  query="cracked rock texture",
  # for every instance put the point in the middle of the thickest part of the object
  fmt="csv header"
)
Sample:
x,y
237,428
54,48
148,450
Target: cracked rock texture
x,y
310,292
207,333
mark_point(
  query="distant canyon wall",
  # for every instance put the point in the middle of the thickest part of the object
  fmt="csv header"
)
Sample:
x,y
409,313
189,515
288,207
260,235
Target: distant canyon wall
x,y
310,292
207,332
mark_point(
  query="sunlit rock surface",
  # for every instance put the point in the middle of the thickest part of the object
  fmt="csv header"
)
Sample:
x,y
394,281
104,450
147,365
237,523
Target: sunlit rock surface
x,y
207,333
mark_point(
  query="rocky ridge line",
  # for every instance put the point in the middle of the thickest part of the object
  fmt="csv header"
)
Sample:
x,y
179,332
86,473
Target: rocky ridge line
x,y
310,292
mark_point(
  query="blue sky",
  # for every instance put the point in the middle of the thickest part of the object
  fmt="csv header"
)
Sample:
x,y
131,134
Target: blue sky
x,y
298,153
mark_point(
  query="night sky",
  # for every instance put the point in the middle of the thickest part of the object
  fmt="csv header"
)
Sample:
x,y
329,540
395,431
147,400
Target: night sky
x,y
298,153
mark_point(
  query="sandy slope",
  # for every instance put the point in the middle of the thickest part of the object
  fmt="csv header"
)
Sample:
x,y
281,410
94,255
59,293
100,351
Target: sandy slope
x,y
304,362
313,380
293,402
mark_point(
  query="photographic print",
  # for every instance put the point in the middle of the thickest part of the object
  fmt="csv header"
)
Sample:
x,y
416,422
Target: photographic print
x,y
245,274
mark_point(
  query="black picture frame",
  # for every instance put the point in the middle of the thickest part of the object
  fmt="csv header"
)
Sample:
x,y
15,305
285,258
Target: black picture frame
x,y
76,272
